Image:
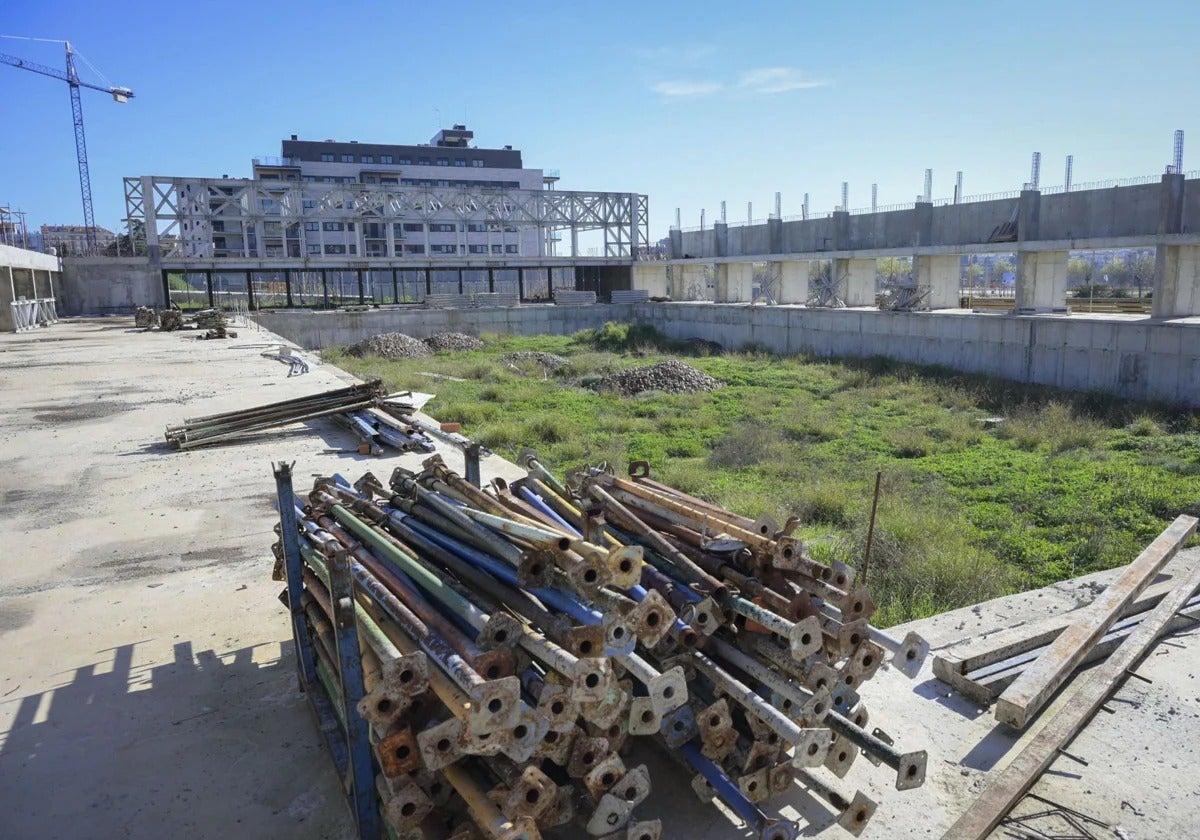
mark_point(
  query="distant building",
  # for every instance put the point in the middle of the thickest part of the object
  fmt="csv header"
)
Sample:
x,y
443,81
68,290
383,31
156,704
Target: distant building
x,y
447,161
72,239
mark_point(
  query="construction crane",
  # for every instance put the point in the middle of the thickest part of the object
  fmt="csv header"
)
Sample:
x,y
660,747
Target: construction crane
x,y
71,77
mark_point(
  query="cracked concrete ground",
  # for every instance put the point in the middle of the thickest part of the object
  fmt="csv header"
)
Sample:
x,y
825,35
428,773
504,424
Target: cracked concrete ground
x,y
147,683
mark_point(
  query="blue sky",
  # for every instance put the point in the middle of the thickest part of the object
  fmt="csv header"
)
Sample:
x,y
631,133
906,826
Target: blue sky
x,y
692,103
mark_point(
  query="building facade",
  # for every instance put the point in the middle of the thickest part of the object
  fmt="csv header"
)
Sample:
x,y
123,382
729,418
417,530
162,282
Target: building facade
x,y
67,240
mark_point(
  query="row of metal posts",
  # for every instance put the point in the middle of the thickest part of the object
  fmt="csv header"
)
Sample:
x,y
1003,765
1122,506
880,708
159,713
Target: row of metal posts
x,y
362,299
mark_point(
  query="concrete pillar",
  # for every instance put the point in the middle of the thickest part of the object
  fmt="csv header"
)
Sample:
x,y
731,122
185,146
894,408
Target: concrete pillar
x,y
841,231
675,236
775,235
735,282
1176,281
720,240
652,277
1041,281
942,275
793,280
856,281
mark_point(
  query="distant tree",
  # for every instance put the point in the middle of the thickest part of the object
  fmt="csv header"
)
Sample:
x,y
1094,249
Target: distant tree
x,y
1002,267
974,274
889,268
130,243
1079,271
1116,272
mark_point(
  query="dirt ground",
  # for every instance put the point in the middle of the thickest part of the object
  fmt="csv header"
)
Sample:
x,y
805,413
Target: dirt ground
x,y
148,685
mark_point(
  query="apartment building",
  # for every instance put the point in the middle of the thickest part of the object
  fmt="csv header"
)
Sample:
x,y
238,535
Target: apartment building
x,y
72,239
370,200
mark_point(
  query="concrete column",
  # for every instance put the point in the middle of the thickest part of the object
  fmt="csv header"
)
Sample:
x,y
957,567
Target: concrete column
x,y
793,280
1041,281
942,274
1176,281
856,281
676,243
652,277
735,282
720,240
775,235
841,231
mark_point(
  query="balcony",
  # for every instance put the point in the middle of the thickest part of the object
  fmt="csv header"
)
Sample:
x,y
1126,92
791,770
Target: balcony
x,y
281,162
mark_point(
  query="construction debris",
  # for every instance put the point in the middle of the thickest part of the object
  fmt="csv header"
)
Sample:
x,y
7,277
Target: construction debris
x,y
391,345
453,341
672,377
213,320
283,354
145,317
170,320
490,655
549,362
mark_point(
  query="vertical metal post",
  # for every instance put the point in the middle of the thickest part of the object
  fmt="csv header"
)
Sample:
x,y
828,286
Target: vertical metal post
x,y
460,281
491,279
292,563
521,284
361,295
325,287
250,291
166,286
345,631
287,285
472,455
428,282
395,288
208,284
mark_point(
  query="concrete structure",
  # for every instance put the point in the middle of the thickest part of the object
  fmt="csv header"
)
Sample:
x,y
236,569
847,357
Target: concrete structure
x,y
72,239
1042,228
148,686
29,285
108,285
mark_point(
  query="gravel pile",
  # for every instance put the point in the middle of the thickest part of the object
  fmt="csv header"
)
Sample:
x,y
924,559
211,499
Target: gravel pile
x,y
144,316
548,361
453,341
390,346
673,377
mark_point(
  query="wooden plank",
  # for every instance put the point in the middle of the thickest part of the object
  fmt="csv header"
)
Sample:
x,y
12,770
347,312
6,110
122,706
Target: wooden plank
x,y
1004,789
1022,700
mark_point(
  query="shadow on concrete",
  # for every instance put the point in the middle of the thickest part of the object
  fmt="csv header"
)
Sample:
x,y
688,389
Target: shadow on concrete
x,y
990,749
205,745
937,691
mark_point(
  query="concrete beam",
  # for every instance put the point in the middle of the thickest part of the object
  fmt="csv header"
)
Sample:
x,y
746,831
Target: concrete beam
x,y
1177,281
735,283
1041,281
943,277
856,281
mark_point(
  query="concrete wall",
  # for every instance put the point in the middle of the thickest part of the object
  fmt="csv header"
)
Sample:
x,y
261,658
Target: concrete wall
x,y
895,229
1136,359
314,330
1116,211
103,285
964,224
22,258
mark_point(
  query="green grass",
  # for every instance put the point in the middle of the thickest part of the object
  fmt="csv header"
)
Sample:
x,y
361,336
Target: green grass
x,y
1066,484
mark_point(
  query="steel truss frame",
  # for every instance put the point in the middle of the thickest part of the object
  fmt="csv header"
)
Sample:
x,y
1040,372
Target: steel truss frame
x,y
176,214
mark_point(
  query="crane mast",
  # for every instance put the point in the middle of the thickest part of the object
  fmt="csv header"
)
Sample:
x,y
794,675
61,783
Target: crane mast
x,y
71,77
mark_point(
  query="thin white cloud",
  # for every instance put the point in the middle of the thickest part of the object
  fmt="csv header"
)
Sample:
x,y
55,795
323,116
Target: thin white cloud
x,y
768,80
679,88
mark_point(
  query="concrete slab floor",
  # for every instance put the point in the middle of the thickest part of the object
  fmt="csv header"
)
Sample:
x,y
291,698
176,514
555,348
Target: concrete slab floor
x,y
148,683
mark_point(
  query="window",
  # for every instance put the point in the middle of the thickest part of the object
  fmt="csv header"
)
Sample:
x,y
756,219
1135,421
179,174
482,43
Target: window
x,y
314,249
406,161
326,158
443,183
368,159
387,180
347,158
443,161
460,162
219,242
272,227
398,230
312,225
333,226
477,162
353,248
370,179
349,225
309,204
496,249
509,229
477,249
309,178
268,204
414,227
441,227
218,226
407,182
385,158
269,177
335,249
414,249
422,161
510,249
476,227
442,249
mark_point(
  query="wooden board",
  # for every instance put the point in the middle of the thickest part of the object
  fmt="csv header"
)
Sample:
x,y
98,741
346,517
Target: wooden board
x,y
1022,700
1005,788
